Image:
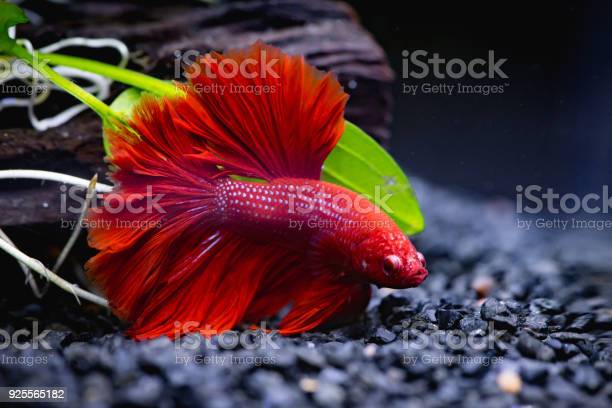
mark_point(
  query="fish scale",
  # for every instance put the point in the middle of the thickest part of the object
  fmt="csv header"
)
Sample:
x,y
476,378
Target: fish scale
x,y
293,208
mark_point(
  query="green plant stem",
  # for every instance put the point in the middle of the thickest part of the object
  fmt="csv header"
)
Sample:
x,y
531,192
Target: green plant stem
x,y
125,76
34,60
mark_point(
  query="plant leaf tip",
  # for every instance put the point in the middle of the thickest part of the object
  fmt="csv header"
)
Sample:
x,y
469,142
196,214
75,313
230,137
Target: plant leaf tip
x,y
10,16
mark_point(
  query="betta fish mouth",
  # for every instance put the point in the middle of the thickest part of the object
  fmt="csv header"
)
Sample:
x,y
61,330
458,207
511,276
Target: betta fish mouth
x,y
418,272
413,280
421,272
418,277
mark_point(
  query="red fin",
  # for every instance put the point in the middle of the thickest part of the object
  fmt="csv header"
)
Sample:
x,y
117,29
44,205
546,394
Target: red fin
x,y
185,282
129,274
280,286
325,301
214,295
352,308
166,155
287,131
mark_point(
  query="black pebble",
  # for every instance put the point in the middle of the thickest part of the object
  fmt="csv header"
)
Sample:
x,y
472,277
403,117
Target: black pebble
x,y
447,319
471,324
499,314
581,322
545,305
585,377
532,347
382,336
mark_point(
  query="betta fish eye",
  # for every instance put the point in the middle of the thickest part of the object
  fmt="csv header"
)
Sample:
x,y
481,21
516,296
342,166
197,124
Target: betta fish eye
x,y
391,263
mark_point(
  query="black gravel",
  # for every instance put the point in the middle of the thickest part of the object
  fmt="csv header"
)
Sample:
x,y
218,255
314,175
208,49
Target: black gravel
x,y
506,318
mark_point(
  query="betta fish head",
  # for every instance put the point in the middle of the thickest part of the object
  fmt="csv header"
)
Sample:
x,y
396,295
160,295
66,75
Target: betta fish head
x,y
386,258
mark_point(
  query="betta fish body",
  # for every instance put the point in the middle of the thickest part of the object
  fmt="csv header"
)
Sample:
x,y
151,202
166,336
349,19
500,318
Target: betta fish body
x,y
220,248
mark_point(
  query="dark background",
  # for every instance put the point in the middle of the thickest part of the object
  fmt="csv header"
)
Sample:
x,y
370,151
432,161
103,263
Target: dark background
x,y
552,126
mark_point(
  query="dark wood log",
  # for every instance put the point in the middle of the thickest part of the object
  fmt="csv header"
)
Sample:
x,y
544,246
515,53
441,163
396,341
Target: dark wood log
x,y
327,33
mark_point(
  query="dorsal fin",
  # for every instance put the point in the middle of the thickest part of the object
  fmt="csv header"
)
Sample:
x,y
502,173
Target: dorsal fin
x,y
263,111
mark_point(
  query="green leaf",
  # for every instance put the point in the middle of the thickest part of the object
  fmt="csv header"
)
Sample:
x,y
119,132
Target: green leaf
x,y
10,15
357,162
360,164
123,104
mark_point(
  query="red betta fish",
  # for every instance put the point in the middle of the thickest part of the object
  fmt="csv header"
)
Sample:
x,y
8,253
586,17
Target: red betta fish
x,y
215,250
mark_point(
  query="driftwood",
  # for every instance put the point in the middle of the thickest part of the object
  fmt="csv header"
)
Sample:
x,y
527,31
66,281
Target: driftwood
x,y
326,33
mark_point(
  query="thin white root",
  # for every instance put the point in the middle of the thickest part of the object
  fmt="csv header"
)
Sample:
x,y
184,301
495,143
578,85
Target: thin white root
x,y
38,267
100,87
75,233
40,88
52,176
